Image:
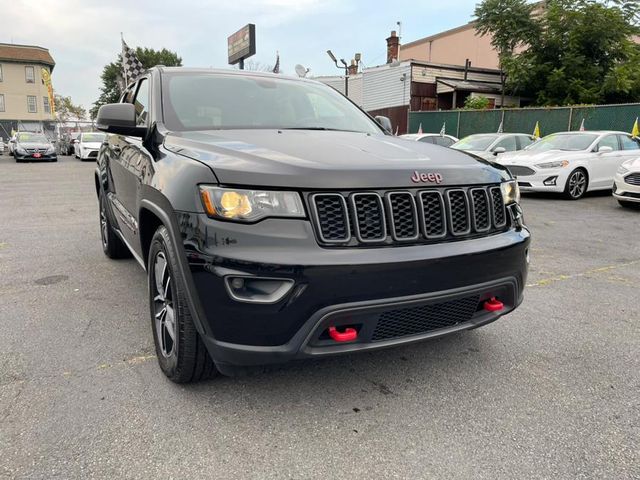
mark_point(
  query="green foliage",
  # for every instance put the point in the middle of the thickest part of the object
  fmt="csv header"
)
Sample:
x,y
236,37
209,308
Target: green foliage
x,y
476,103
113,79
579,51
67,110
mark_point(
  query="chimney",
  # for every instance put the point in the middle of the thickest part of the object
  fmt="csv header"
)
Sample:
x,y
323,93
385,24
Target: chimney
x,y
393,47
353,68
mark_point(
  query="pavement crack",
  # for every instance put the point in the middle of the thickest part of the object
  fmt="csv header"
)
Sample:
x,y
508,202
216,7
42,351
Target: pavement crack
x,y
594,271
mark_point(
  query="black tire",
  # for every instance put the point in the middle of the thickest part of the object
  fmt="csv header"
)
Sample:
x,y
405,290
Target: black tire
x,y
632,205
112,246
15,156
182,357
577,184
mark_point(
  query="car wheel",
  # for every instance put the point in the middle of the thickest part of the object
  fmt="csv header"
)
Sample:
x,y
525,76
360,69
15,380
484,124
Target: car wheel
x,y
181,353
112,245
577,184
632,205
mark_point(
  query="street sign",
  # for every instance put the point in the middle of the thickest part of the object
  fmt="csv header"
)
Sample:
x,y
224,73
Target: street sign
x,y
242,44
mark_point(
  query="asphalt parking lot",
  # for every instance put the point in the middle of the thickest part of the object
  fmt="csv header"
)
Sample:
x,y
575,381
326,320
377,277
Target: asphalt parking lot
x,y
551,391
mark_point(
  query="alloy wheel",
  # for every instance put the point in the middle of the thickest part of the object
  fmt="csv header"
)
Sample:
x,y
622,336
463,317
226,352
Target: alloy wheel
x,y
104,226
577,184
164,312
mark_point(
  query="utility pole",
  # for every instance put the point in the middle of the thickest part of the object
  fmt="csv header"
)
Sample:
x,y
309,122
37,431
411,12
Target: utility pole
x,y
345,67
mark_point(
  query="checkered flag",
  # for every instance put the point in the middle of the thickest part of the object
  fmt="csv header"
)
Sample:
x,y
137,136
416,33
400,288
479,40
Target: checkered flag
x,y
131,66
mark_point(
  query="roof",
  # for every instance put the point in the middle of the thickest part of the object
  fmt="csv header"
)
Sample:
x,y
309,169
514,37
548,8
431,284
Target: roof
x,y
25,54
471,85
446,33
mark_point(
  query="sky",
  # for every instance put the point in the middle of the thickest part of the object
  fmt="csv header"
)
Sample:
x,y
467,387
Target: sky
x,y
84,35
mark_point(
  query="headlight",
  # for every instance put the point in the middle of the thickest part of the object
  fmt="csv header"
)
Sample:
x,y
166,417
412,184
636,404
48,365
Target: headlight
x,y
558,164
50,150
510,192
21,150
250,205
622,170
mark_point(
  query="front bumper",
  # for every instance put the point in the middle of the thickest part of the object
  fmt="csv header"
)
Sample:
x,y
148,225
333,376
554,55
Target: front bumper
x,y
30,157
625,191
555,178
338,287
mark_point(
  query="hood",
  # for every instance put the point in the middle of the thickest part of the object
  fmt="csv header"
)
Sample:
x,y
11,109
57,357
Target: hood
x,y
38,145
527,157
95,145
633,164
327,159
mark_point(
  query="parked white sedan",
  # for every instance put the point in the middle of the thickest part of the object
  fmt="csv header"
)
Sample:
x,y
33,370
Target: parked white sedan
x,y
435,138
626,184
572,163
88,145
490,145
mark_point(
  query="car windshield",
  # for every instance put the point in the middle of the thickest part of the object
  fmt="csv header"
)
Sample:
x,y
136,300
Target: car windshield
x,y
93,137
568,142
475,142
217,101
32,138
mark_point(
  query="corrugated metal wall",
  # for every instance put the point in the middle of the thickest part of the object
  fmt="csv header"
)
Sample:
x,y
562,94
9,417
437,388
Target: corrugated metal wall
x,y
355,86
523,120
382,87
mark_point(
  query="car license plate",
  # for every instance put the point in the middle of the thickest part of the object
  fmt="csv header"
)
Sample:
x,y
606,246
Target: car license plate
x,y
36,155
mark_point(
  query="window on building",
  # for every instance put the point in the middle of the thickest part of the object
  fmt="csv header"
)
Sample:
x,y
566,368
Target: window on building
x,y
46,105
30,74
32,104
1,102
0,73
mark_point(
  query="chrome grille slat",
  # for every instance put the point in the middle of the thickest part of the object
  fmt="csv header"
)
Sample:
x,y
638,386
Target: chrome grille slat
x,y
633,179
384,218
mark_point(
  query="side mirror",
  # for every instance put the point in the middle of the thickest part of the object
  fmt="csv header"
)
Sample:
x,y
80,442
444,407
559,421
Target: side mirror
x,y
119,118
498,150
605,149
384,122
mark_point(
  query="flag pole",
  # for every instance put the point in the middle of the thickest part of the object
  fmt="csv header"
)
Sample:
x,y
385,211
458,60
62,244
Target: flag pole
x,y
124,70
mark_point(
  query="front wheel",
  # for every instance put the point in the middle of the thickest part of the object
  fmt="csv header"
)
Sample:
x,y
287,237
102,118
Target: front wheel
x,y
576,185
182,355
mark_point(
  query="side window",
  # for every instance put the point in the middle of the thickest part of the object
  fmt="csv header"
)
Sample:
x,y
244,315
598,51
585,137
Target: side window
x,y
609,141
427,140
127,96
142,103
444,141
525,141
628,143
508,143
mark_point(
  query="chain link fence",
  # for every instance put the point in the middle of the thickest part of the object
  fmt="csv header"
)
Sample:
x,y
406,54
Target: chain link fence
x,y
523,120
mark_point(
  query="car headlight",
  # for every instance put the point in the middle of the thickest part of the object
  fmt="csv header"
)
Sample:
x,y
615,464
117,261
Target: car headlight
x,y
622,170
21,150
50,150
249,205
510,192
558,164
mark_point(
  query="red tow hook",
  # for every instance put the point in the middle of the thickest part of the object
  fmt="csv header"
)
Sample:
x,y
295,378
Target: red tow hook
x,y
348,335
493,305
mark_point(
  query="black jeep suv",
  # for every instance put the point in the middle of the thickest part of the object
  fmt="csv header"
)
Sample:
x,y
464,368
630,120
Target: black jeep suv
x,y
276,220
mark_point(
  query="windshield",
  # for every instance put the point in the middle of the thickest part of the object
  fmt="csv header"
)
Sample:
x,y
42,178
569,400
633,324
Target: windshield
x,y
93,137
217,101
475,142
569,142
32,138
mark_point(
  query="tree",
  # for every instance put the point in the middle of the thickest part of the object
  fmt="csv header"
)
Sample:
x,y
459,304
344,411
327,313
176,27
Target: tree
x,y
113,79
580,51
510,23
476,103
66,110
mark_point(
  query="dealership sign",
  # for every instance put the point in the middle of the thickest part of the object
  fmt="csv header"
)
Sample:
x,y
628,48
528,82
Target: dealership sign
x,y
242,44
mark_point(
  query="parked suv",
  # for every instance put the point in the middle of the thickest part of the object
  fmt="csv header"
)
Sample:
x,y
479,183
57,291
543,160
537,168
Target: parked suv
x,y
278,221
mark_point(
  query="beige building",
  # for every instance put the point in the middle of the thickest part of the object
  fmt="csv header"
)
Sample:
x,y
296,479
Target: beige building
x,y
23,95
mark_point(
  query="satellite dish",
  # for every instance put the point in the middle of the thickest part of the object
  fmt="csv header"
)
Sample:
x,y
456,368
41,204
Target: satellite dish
x,y
301,71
